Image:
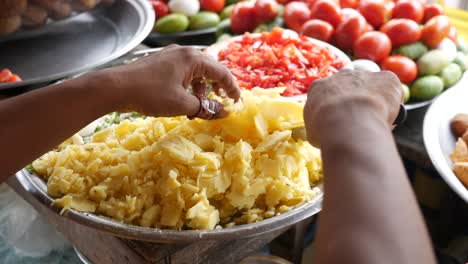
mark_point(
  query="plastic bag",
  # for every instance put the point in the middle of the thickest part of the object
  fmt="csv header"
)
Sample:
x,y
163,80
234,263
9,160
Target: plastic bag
x,y
23,229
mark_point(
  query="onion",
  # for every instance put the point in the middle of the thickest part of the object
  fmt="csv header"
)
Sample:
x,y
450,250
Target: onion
x,y
186,7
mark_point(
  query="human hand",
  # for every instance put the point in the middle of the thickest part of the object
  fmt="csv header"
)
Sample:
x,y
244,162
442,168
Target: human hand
x,y
157,85
334,99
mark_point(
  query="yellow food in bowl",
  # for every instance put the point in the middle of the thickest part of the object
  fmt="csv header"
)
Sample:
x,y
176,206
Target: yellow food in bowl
x,y
190,174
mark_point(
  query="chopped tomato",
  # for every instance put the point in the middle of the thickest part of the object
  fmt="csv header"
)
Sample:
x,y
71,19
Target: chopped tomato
x,y
14,78
5,74
277,59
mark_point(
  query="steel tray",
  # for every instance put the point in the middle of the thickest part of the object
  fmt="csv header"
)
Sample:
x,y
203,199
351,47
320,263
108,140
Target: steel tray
x,y
78,44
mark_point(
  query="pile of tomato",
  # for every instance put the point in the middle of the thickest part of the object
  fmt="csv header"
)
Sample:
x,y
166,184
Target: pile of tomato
x,y
278,59
7,76
370,29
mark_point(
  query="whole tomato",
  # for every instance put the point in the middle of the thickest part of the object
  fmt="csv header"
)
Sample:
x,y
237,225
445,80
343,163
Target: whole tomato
x,y
401,31
389,5
310,3
295,15
317,29
453,34
435,30
160,8
349,3
375,12
267,10
328,11
212,5
243,17
409,9
374,46
348,12
349,31
432,10
404,67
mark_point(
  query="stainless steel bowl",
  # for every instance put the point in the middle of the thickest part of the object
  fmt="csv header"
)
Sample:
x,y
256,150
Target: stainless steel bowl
x,y
38,188
438,137
78,44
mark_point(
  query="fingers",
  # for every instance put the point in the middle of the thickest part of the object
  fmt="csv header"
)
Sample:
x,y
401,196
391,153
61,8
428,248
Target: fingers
x,y
198,86
186,104
210,69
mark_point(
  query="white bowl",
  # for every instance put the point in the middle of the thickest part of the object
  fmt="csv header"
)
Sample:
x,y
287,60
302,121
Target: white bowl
x,y
438,137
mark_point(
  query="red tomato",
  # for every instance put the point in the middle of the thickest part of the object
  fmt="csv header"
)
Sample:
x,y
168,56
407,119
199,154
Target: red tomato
x,y
212,5
14,78
404,67
389,5
402,31
5,75
317,29
453,34
348,12
432,10
267,10
310,3
374,46
349,3
435,30
328,11
349,31
243,17
295,15
160,8
410,9
375,12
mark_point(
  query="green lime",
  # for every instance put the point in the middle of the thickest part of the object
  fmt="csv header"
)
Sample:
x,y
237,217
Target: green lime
x,y
450,75
226,13
406,92
203,20
427,87
172,23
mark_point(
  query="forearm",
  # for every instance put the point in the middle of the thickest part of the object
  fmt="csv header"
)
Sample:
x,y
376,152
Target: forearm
x,y
35,122
370,214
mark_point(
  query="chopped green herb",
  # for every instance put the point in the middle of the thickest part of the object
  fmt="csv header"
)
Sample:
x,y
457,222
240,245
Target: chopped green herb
x,y
30,168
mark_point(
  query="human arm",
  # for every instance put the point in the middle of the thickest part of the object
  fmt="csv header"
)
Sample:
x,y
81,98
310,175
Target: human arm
x,y
370,214
35,122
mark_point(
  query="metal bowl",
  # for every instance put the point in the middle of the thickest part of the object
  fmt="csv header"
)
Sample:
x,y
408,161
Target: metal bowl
x,y
438,137
78,44
38,188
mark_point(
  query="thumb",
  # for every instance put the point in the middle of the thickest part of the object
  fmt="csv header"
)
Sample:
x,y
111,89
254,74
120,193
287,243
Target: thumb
x,y
181,103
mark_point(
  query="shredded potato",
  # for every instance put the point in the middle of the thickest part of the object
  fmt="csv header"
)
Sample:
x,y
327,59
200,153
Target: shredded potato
x,y
177,173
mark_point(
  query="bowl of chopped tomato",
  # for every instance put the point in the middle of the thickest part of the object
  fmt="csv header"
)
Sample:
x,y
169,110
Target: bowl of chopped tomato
x,y
280,58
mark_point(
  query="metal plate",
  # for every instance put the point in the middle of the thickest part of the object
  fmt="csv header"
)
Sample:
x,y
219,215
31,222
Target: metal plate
x,y
438,137
78,44
194,37
38,188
